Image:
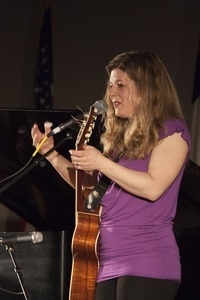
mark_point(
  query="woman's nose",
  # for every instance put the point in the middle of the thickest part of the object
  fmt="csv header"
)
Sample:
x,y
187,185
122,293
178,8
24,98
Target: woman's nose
x,y
112,91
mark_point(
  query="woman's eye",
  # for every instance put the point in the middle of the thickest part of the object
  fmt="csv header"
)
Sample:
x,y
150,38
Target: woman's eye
x,y
117,84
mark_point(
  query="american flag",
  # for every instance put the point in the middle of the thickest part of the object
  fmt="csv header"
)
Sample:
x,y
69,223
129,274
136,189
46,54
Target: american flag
x,y
43,89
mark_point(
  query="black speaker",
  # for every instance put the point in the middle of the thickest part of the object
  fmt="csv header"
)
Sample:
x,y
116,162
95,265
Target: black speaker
x,y
45,268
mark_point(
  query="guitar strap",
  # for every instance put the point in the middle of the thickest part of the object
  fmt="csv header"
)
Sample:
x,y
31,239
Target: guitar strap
x,y
95,196
99,190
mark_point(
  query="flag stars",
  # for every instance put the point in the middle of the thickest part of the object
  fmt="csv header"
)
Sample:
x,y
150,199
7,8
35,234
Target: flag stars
x,y
43,76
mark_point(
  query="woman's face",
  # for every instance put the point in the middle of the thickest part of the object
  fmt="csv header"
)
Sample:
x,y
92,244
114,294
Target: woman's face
x,y
123,94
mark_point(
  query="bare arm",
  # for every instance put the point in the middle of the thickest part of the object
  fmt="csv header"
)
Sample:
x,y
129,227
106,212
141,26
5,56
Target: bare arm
x,y
166,161
61,164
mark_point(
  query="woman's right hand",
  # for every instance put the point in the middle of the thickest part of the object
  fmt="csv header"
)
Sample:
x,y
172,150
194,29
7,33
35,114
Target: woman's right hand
x,y
62,165
38,136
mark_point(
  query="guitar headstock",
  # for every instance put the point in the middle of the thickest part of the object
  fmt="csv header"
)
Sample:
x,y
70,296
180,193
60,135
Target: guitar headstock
x,y
85,131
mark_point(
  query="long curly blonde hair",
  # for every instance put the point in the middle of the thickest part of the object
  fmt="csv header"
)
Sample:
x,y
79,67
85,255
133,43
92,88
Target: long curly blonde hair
x,y
136,137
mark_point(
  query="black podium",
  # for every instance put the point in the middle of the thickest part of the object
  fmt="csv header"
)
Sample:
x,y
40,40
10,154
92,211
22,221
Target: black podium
x,y
45,268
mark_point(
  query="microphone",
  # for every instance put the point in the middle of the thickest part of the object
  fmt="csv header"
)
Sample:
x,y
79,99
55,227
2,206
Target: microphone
x,y
32,237
99,108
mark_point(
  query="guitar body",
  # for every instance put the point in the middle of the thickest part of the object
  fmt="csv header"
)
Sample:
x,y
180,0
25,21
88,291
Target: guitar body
x,y
85,237
85,257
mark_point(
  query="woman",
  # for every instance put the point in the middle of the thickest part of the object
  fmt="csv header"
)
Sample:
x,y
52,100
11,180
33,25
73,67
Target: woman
x,y
145,130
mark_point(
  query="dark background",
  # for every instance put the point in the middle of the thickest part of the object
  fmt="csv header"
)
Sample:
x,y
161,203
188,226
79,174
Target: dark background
x,y
85,35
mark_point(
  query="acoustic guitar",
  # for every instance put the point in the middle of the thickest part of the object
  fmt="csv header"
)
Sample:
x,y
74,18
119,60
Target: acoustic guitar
x,y
85,237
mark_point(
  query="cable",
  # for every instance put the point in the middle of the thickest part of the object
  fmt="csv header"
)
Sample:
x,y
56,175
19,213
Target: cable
x,y
19,171
23,171
10,292
40,145
26,165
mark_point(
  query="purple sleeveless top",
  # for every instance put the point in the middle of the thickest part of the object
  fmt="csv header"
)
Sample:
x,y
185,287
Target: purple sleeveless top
x,y
136,235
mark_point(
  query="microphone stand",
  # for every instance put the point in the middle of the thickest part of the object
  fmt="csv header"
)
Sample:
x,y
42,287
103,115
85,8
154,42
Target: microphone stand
x,y
18,271
34,164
